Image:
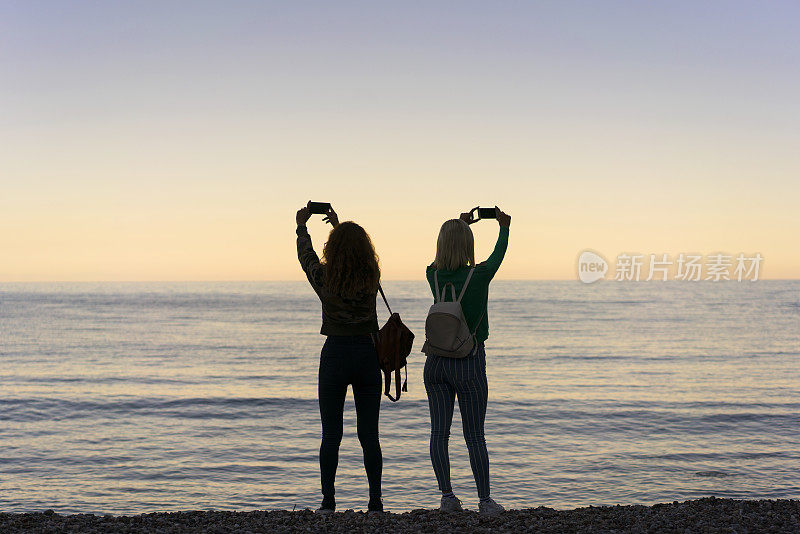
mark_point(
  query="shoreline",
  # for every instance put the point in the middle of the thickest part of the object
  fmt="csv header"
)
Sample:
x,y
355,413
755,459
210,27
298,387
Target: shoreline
x,y
708,514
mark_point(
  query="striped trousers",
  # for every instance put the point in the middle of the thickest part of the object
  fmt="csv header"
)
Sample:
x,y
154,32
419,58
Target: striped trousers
x,y
446,378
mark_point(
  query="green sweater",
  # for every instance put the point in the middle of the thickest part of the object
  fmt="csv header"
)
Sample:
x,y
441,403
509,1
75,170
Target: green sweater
x,y
475,299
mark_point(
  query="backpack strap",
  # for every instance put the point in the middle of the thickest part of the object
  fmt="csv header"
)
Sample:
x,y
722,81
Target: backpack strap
x,y
466,283
479,323
439,297
452,291
387,375
384,299
463,290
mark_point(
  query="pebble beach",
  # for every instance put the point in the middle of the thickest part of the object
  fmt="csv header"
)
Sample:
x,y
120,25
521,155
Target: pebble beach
x,y
708,515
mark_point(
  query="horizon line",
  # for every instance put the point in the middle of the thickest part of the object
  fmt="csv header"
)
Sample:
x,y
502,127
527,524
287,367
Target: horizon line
x,y
384,280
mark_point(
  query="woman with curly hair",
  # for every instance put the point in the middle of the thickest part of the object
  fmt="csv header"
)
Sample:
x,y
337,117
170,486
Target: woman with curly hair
x,y
346,281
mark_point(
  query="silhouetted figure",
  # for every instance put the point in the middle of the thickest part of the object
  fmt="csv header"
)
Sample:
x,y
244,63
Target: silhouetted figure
x,y
346,281
448,377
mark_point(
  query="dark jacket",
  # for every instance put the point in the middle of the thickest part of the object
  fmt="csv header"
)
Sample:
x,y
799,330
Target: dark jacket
x,y
340,316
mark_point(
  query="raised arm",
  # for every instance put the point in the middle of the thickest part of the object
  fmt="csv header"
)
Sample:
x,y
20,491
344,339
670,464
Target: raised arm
x,y
492,264
309,260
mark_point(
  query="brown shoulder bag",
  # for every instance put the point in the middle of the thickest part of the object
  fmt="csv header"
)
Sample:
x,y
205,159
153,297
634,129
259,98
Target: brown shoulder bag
x,y
393,345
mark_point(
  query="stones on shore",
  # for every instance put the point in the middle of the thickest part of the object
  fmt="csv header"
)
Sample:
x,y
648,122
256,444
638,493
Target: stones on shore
x,y
702,515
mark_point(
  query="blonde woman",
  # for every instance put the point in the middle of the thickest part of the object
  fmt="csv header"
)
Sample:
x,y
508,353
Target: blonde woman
x,y
445,378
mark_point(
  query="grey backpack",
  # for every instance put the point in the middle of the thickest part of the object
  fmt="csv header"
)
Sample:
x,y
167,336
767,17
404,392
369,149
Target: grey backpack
x,y
446,330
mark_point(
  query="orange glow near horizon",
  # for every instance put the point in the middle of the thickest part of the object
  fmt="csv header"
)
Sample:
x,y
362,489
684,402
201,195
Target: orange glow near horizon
x,y
140,151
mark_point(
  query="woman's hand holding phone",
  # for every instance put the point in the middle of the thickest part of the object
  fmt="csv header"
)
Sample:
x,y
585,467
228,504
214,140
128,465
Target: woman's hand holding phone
x,y
468,217
331,217
503,218
478,214
303,214
322,208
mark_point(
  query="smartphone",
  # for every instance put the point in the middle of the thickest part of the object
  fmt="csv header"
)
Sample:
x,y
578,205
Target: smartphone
x,y
320,207
487,213
483,213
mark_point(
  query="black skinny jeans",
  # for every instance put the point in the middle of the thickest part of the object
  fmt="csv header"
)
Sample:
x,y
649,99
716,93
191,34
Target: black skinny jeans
x,y
350,360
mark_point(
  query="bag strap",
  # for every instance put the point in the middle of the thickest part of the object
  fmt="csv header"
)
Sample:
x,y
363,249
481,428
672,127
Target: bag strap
x,y
479,323
396,375
387,381
440,296
384,299
452,291
387,375
466,283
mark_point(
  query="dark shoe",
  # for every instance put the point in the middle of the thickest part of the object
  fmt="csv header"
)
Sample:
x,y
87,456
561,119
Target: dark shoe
x,y
375,506
450,504
328,506
489,507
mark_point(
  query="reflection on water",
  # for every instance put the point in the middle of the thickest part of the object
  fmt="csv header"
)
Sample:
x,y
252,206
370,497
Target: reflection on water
x,y
126,398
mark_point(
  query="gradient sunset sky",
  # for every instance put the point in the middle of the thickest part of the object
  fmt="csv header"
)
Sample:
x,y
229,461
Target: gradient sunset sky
x,y
176,140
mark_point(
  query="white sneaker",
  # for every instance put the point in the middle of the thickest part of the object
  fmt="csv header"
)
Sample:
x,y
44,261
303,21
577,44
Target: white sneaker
x,y
489,507
450,504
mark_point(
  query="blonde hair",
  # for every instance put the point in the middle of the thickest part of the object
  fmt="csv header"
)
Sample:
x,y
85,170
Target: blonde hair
x,y
455,247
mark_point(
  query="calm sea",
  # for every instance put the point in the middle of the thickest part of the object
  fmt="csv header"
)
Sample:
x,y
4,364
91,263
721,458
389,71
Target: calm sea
x,y
135,397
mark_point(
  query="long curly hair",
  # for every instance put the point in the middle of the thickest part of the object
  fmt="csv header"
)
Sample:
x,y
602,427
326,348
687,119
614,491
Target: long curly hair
x,y
351,264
